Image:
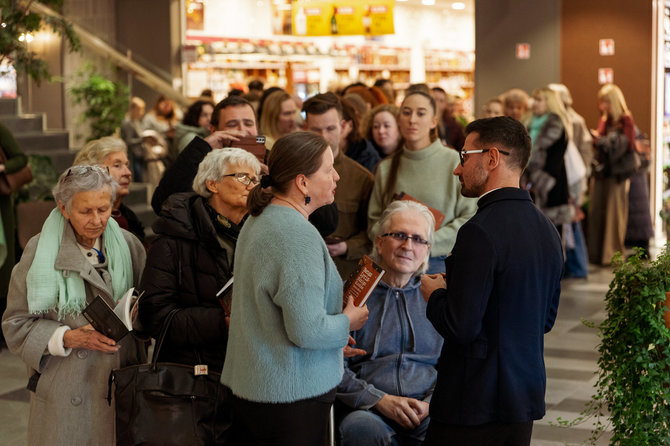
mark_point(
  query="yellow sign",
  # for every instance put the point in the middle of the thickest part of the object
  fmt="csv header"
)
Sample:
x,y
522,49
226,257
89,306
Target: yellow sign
x,y
344,17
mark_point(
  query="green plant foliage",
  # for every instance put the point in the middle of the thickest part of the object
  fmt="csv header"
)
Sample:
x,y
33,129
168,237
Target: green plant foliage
x,y
17,19
106,103
45,177
633,387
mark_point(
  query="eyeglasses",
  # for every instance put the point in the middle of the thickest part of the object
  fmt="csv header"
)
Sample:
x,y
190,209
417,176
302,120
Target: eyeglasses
x,y
402,237
467,152
244,178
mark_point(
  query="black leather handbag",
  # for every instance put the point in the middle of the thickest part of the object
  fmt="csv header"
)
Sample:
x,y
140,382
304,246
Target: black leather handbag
x,y
168,403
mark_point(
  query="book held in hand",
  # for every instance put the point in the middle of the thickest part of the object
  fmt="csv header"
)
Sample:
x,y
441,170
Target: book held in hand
x,y
439,216
118,322
362,281
105,320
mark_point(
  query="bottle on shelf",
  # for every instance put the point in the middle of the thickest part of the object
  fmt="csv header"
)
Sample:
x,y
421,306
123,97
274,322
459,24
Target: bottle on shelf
x,y
333,21
301,22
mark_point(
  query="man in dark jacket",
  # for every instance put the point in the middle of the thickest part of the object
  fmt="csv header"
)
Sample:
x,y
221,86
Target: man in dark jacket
x,y
500,298
232,118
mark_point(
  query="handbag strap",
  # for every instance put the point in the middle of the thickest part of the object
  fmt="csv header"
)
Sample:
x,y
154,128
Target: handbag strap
x,y
161,337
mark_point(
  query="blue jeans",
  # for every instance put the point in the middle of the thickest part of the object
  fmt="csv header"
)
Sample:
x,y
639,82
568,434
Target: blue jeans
x,y
436,265
368,428
576,260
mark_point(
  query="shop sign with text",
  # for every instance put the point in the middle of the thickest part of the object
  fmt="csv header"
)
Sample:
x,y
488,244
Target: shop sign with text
x,y
332,18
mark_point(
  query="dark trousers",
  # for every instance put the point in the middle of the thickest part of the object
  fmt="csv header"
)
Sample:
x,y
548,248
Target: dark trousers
x,y
490,434
301,423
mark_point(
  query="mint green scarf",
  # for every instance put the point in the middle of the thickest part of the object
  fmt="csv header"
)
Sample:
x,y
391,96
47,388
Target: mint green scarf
x,y
50,289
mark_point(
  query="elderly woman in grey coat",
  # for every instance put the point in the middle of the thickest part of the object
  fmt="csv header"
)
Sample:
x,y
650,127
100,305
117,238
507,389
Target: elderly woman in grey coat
x,y
79,254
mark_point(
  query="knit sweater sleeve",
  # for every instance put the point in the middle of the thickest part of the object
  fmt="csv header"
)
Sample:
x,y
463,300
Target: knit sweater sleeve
x,y
302,294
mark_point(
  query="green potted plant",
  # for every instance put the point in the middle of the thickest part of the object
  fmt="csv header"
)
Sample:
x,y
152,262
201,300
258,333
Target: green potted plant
x,y
106,102
633,388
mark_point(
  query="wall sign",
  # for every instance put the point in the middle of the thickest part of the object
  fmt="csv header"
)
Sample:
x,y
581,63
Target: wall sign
x,y
605,76
523,50
606,47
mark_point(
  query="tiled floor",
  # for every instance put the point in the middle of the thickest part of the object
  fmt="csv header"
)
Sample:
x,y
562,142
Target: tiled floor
x,y
570,356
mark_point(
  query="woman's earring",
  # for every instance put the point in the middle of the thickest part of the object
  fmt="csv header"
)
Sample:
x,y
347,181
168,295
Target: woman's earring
x,y
307,199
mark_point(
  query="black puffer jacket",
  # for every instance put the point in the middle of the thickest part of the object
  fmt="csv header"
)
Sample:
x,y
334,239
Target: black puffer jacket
x,y
186,266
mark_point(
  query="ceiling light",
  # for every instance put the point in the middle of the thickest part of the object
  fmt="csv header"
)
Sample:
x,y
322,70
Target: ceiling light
x,y
428,2
458,5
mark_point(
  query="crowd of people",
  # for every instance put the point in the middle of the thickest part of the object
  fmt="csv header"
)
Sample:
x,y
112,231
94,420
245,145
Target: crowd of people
x,y
474,223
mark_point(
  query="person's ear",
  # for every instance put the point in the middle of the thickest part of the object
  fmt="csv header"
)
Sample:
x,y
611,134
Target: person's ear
x,y
301,184
211,186
63,211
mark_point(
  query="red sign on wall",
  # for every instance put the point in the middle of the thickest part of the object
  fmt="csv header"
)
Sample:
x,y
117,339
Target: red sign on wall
x,y
523,50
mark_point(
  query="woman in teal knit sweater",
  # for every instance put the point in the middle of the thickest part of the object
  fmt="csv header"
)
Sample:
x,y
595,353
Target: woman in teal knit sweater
x,y
287,326
422,167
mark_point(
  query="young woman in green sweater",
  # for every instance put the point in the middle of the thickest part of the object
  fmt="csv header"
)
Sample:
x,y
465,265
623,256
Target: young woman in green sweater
x,y
422,168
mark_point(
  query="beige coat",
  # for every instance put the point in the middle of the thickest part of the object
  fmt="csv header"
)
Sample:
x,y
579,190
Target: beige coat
x,y
69,406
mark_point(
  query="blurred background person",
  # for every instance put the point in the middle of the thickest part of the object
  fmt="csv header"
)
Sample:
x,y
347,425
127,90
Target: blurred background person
x,y
292,312
493,108
132,127
163,118
386,86
545,174
352,144
385,393
380,127
69,363
449,130
609,203
278,118
111,153
515,103
576,258
196,122
418,169
15,161
254,93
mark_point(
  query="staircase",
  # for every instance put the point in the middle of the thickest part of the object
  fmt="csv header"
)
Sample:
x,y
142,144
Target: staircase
x,y
32,137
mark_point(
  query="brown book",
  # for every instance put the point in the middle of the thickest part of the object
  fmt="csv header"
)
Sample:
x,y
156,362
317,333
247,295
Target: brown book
x,y
362,281
439,216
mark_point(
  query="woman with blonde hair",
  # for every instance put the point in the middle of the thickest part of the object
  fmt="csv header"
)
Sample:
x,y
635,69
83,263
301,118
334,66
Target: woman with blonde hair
x,y
545,174
608,210
111,152
277,117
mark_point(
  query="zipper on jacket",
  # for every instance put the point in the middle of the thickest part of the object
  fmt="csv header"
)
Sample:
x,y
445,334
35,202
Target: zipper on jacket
x,y
402,342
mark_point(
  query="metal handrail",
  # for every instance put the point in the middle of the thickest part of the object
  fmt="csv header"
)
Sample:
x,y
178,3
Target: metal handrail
x,y
121,60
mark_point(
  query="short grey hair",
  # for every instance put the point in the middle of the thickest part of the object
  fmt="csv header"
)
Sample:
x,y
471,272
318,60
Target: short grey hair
x,y
214,165
385,221
95,152
81,179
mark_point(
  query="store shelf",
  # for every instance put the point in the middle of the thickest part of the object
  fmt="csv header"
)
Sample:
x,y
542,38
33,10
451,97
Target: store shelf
x,y
369,67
